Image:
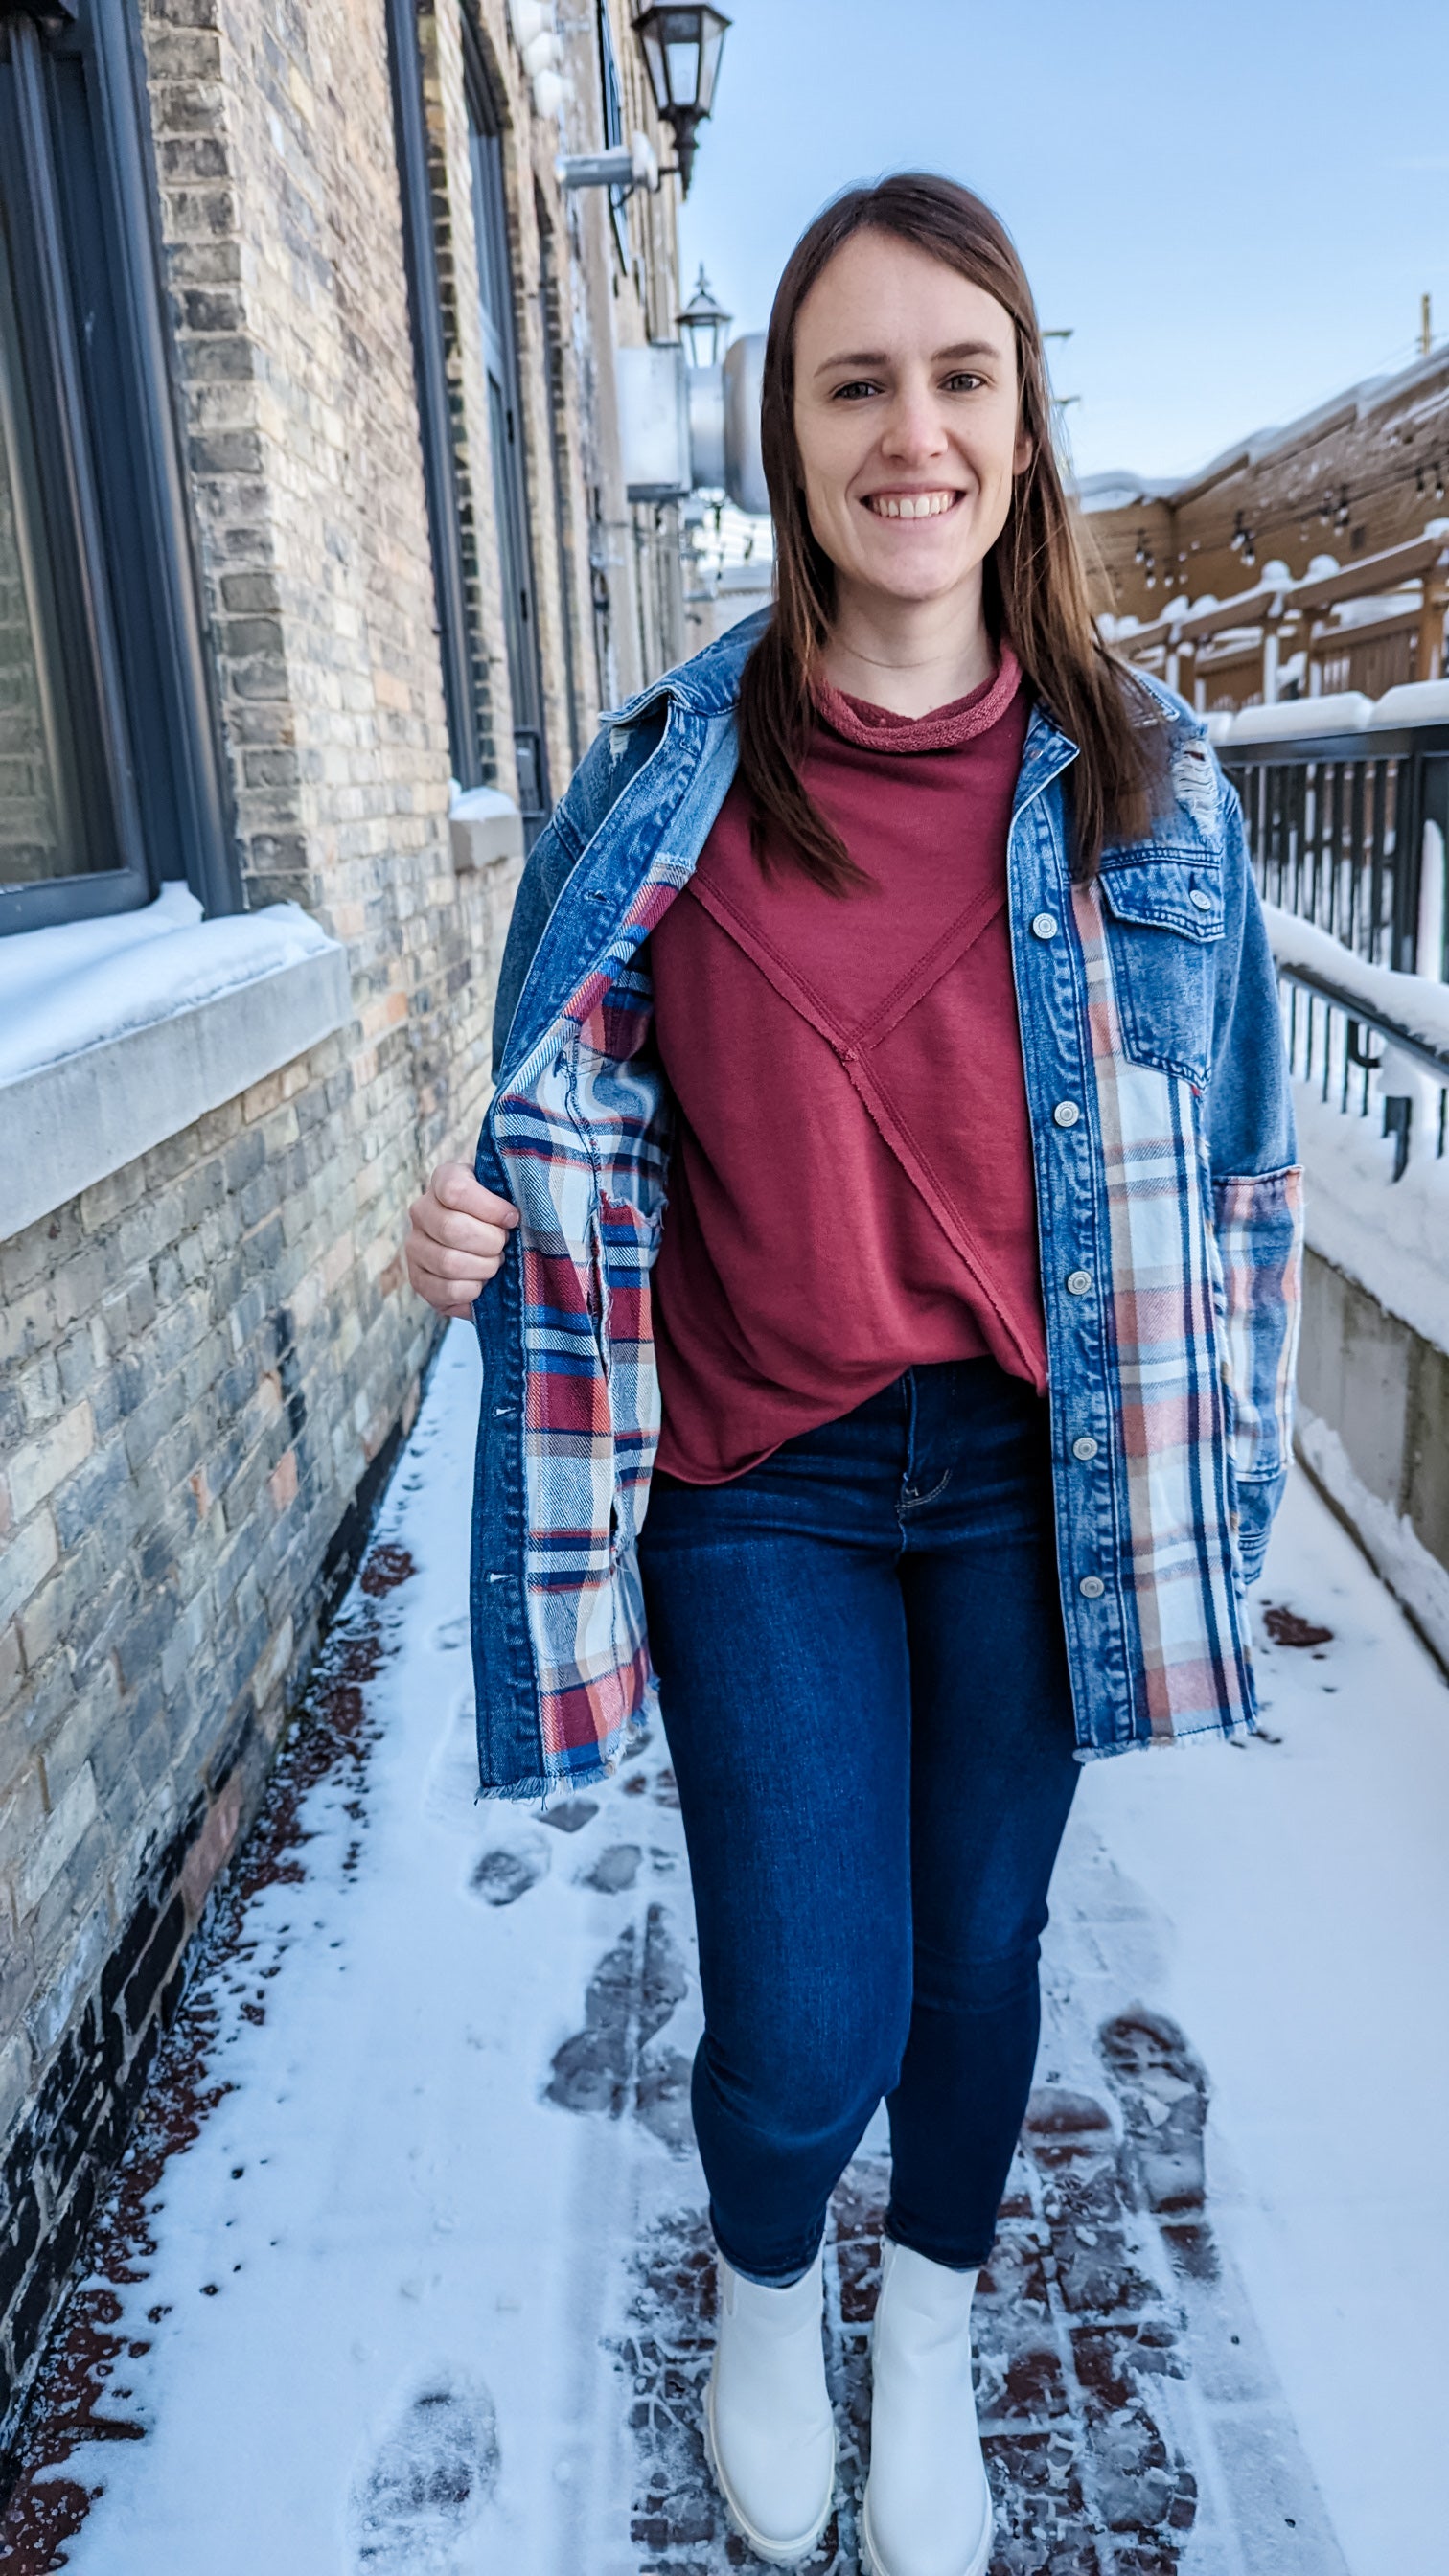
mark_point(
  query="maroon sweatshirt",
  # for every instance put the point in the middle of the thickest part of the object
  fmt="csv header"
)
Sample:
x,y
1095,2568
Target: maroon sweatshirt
x,y
851,1186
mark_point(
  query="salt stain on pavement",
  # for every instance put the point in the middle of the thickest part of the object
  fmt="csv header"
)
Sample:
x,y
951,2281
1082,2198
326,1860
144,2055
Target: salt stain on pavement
x,y
408,2267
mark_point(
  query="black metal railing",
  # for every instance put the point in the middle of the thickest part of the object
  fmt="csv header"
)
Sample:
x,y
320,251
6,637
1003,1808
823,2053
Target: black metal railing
x,y
1330,1033
1337,828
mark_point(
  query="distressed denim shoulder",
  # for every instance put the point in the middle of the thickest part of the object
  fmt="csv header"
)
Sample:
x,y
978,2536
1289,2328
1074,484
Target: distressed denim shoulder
x,y
1169,1227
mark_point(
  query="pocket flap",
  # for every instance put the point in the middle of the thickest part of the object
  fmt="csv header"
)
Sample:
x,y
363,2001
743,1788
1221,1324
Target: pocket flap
x,y
1173,890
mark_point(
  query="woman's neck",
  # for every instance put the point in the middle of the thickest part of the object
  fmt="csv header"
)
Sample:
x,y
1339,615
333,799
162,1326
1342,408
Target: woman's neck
x,y
908,655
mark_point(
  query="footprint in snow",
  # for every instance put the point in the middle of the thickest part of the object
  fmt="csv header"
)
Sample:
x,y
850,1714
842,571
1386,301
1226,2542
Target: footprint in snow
x,y
428,2482
615,1870
501,1877
617,2060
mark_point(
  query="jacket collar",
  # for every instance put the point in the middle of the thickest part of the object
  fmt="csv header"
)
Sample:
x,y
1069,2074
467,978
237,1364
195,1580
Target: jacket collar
x,y
709,685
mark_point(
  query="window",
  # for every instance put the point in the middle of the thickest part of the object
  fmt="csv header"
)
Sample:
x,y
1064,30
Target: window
x,y
505,438
431,374
613,102
110,768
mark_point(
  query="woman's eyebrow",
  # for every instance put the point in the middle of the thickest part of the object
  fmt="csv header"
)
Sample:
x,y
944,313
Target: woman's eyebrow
x,y
881,357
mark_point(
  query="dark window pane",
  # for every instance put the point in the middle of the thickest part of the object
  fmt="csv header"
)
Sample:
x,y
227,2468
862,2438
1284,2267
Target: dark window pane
x,y
613,101
510,479
32,841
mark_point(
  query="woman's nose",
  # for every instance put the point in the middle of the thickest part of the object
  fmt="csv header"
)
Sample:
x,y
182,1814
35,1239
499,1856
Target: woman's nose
x,y
913,431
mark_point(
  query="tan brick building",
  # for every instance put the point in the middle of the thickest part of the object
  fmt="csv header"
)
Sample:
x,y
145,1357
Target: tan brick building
x,y
345,530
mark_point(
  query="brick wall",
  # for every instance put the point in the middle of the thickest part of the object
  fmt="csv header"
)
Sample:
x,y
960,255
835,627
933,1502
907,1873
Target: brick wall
x,y
207,1359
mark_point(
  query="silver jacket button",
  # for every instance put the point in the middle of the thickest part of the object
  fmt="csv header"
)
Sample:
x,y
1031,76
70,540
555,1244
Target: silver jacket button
x,y
1086,1447
1066,1113
1043,925
1091,1587
1078,1282
1202,902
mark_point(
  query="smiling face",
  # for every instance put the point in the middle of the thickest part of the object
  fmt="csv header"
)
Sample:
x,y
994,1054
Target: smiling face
x,y
907,422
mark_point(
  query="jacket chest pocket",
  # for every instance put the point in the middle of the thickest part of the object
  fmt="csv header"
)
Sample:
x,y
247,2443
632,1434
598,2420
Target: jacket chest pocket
x,y
1164,930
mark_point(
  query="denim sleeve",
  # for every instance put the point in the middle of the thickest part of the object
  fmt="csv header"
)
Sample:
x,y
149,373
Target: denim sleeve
x,y
606,769
1257,1200
547,869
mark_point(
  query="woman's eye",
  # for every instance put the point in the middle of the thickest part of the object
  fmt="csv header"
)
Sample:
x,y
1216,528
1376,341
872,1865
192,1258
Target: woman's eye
x,y
854,392
964,384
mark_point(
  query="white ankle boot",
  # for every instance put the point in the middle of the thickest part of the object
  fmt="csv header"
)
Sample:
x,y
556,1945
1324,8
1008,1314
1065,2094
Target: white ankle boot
x,y
767,2421
927,2504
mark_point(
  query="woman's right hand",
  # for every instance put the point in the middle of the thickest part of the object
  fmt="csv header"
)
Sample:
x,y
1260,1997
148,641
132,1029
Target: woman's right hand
x,y
456,1236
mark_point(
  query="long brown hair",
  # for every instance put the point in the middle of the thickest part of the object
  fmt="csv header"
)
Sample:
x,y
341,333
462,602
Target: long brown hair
x,y
1035,587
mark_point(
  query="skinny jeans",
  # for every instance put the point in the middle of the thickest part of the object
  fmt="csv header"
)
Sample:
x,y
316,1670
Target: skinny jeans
x,y
863,1682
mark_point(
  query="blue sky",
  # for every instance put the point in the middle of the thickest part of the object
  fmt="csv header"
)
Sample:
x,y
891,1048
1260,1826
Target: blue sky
x,y
1237,209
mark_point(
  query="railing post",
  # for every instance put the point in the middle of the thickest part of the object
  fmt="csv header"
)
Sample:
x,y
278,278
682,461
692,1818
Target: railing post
x,y
1433,856
1429,639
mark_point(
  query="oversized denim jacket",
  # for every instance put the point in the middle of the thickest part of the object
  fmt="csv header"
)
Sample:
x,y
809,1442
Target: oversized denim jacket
x,y
1168,1217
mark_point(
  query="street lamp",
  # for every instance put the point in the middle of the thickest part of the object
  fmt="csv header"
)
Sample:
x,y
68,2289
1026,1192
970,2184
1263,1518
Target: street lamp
x,y
704,325
682,47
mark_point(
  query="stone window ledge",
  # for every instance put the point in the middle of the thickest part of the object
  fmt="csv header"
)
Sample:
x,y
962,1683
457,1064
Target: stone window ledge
x,y
117,1034
484,825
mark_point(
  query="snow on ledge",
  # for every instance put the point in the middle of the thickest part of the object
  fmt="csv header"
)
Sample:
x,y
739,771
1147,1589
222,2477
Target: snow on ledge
x,y
1387,1235
83,982
1389,1540
1414,1002
116,1034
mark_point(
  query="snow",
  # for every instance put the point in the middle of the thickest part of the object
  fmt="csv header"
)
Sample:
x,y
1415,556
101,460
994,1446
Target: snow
x,y
419,2264
1413,1002
82,982
1413,702
481,805
1388,1235
1301,1912
1342,711
1413,1576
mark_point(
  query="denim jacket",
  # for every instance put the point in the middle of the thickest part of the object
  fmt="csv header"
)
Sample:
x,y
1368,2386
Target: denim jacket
x,y
1169,1221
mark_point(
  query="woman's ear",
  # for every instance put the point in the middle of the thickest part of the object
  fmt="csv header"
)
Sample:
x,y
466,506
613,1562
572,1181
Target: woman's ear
x,y
1025,452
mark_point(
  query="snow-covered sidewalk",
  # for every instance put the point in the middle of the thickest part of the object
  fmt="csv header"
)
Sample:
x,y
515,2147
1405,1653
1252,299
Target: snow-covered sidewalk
x,y
407,2268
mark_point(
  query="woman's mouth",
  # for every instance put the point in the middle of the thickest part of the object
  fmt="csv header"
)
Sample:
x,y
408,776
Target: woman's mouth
x,y
910,505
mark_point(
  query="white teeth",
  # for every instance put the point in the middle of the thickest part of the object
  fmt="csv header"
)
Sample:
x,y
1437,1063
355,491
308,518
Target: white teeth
x,y
910,505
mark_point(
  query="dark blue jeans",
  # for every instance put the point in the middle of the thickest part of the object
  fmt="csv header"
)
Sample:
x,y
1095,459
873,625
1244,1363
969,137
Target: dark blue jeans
x,y
864,1686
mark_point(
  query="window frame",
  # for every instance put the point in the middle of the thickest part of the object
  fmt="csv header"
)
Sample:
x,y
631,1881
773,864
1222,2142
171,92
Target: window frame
x,y
507,438
611,97
125,657
430,371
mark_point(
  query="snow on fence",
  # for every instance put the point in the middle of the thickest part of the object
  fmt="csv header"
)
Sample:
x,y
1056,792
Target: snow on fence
x,y
1347,810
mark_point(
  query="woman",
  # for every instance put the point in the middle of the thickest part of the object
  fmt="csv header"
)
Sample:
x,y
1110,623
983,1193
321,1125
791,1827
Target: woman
x,y
970,1323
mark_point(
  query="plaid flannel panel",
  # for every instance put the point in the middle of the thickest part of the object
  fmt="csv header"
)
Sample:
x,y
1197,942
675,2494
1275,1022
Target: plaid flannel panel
x,y
1178,1561
1260,1244
582,1134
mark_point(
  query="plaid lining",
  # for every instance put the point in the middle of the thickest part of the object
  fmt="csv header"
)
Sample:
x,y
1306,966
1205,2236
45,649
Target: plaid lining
x,y
1188,1332
1260,1243
582,1134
